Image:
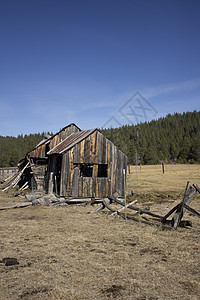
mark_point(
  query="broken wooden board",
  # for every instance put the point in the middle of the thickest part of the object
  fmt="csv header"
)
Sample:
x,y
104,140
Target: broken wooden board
x,y
181,209
142,211
17,205
123,208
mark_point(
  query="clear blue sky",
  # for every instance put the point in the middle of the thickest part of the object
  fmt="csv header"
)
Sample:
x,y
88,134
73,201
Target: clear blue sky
x,y
81,61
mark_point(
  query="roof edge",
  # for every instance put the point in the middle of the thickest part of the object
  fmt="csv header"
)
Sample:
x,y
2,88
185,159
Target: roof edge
x,y
90,131
46,141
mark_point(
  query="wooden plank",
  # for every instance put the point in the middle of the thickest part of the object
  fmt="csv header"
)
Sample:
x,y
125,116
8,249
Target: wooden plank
x,y
78,153
91,186
170,212
92,141
70,170
196,187
143,211
85,185
95,160
75,182
80,187
82,152
100,149
67,174
104,182
98,209
122,208
62,179
94,187
85,150
192,210
19,205
104,150
112,178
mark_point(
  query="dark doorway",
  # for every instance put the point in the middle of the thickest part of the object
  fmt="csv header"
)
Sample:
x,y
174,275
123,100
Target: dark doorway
x,y
57,174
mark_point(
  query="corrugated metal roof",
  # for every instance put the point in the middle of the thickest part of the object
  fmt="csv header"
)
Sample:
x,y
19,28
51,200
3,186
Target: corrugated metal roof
x,y
51,137
70,141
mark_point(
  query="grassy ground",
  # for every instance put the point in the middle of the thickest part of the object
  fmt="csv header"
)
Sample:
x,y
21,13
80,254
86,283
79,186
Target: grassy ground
x,y
68,253
152,184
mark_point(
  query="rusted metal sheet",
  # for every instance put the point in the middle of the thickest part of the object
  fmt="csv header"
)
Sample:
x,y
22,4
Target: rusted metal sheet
x,y
70,141
40,150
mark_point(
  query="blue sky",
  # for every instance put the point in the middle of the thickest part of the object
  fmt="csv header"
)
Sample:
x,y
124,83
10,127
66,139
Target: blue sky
x,y
87,62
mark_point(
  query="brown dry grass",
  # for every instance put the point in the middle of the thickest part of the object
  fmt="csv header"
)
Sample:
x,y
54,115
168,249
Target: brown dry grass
x,y
67,253
153,184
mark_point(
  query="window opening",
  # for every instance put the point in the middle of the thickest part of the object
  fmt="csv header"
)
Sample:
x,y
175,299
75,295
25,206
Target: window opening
x,y
47,148
86,170
102,170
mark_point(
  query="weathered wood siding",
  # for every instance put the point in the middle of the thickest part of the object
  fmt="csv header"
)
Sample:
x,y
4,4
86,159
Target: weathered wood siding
x,y
95,149
40,151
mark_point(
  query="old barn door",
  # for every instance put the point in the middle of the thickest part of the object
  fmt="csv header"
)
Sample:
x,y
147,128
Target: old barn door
x,y
82,181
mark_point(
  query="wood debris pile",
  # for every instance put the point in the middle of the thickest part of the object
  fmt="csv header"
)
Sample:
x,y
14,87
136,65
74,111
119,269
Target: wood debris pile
x,y
12,181
39,198
178,210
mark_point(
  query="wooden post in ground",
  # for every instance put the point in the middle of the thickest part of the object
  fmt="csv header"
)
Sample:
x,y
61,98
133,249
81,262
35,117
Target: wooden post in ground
x,y
124,172
181,209
56,186
163,168
50,190
129,169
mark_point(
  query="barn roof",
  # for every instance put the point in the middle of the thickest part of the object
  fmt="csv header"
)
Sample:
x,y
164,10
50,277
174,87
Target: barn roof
x,y
70,141
48,138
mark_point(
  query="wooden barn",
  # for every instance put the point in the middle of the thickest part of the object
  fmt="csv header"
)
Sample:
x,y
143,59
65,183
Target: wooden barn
x,y
79,164
38,155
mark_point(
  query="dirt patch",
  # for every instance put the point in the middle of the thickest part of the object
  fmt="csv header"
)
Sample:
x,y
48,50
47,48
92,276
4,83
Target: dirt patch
x,y
33,292
9,261
113,291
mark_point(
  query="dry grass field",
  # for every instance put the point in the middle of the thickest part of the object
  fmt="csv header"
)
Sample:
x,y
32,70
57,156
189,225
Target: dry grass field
x,y
68,253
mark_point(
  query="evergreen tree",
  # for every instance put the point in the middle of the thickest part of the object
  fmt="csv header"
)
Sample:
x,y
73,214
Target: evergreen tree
x,y
170,138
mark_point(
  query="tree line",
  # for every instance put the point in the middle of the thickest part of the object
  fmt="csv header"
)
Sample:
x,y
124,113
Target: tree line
x,y
171,139
12,149
174,138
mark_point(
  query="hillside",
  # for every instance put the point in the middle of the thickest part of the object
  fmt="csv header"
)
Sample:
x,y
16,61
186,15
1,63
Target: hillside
x,y
175,138
12,149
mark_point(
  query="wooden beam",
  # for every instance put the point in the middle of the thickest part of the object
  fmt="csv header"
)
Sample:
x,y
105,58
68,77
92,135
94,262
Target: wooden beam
x,y
181,210
192,210
169,213
142,211
196,187
19,205
122,208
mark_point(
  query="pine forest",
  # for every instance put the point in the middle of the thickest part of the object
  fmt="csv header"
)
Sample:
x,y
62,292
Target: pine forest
x,y
171,139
